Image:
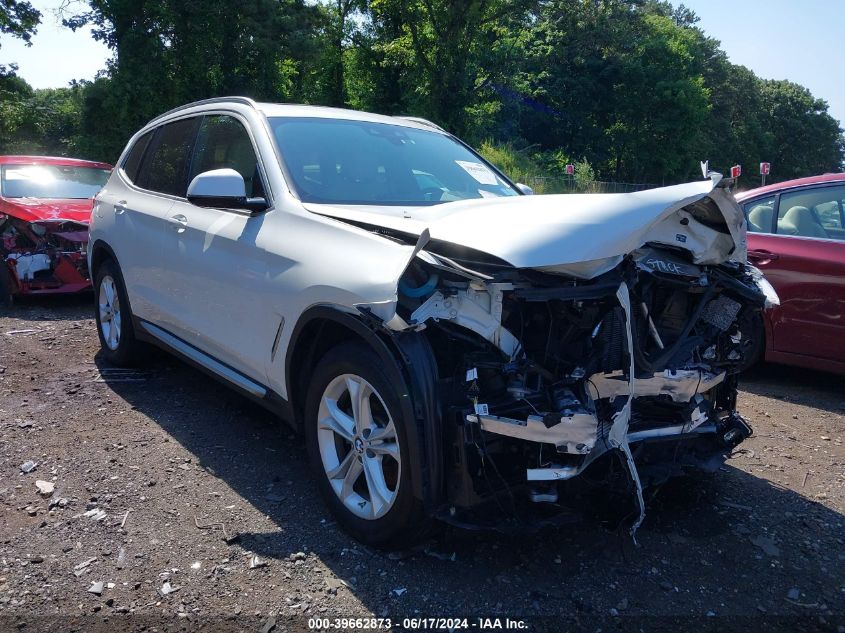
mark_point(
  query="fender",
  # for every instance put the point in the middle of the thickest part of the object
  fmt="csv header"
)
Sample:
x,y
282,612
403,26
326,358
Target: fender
x,y
409,363
93,249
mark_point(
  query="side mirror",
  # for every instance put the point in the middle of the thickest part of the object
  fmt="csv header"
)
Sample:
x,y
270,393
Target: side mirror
x,y
528,191
223,189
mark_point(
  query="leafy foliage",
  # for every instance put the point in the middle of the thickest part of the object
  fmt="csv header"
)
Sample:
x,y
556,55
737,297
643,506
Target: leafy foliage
x,y
19,19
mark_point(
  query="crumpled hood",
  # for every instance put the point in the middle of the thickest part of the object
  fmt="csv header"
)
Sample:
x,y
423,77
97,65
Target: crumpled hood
x,y
579,234
35,209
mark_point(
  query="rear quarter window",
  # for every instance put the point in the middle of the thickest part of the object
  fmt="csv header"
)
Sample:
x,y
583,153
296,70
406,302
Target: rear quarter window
x,y
132,164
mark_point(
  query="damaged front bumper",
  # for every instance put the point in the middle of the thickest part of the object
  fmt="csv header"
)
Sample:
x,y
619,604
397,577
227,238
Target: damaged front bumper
x,y
44,257
554,373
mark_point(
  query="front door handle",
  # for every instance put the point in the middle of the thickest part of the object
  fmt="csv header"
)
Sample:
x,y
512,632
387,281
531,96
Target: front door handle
x,y
762,256
178,223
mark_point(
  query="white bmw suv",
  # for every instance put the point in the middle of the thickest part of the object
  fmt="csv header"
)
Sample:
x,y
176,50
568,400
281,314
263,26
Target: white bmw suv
x,y
450,347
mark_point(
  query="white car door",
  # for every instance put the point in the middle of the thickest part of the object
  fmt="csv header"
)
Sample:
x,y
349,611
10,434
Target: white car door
x,y
141,214
219,277
133,218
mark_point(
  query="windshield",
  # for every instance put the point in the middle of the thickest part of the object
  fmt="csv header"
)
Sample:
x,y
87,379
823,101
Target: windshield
x,y
51,181
360,162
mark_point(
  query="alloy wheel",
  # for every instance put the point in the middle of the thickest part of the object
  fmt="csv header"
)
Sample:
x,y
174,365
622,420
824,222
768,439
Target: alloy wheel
x,y
109,309
359,446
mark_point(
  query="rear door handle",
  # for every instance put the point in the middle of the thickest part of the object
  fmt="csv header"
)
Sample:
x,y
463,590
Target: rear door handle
x,y
762,256
178,223
120,207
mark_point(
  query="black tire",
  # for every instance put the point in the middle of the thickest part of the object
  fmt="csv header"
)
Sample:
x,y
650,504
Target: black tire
x,y
126,350
756,348
405,523
7,288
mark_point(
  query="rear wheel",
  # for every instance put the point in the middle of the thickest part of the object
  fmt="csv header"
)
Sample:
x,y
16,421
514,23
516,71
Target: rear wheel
x,y
357,444
114,318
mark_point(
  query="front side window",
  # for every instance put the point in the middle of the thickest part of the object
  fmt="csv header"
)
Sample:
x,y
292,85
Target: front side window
x,y
360,162
813,212
51,181
165,166
223,142
759,214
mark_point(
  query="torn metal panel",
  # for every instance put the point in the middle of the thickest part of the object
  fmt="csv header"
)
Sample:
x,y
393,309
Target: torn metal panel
x,y
680,384
574,434
669,431
618,435
478,308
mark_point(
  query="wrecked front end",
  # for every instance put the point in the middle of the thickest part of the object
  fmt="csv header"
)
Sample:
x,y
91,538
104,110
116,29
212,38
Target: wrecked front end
x,y
44,256
616,376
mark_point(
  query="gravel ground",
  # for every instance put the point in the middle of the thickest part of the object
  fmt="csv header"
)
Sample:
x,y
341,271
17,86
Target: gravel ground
x,y
186,506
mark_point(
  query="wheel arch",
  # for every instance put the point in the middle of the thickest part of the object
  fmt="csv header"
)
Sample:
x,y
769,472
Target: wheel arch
x,y
100,252
407,359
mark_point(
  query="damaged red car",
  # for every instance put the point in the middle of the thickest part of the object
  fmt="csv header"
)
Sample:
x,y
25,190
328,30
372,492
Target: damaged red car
x,y
45,208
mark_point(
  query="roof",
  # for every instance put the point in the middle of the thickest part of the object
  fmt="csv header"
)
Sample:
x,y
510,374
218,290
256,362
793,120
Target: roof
x,y
297,110
788,184
51,160
324,112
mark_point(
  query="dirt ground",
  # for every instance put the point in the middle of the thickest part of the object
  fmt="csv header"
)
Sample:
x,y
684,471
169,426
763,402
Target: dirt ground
x,y
152,469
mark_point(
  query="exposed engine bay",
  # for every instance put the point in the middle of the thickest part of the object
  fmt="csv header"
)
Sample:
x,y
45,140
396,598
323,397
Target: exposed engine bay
x,y
622,370
44,256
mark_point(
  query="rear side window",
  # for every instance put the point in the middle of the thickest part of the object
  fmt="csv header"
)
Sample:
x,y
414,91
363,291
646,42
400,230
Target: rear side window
x,y
223,142
133,162
165,167
813,212
760,213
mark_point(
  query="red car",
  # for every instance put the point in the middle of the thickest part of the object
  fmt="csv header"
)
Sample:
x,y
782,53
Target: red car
x,y
796,236
45,208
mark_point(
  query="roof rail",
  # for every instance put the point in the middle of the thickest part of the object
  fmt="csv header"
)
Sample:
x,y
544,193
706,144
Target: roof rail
x,y
242,100
420,120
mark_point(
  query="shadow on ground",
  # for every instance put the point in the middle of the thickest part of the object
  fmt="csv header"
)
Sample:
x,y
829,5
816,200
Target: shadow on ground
x,y
730,544
72,307
795,384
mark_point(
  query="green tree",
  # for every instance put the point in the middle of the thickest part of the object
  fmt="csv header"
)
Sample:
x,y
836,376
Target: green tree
x,y
801,137
19,19
14,95
439,43
169,52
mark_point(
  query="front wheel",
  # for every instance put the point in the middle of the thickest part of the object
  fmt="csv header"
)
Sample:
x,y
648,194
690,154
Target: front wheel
x,y
357,444
114,318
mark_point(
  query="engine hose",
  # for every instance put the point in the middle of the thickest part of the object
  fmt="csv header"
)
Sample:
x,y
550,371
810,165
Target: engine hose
x,y
419,291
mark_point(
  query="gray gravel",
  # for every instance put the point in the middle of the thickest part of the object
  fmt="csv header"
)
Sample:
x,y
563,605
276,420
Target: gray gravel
x,y
182,503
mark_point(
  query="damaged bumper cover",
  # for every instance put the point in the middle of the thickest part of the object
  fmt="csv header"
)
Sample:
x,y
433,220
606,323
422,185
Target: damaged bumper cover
x,y
45,256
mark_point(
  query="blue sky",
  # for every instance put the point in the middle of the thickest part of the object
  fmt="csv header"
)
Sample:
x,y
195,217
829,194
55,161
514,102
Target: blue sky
x,y
799,40
803,41
57,55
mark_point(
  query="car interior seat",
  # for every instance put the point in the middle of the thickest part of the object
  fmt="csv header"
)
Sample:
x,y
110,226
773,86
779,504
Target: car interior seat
x,y
760,218
804,222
